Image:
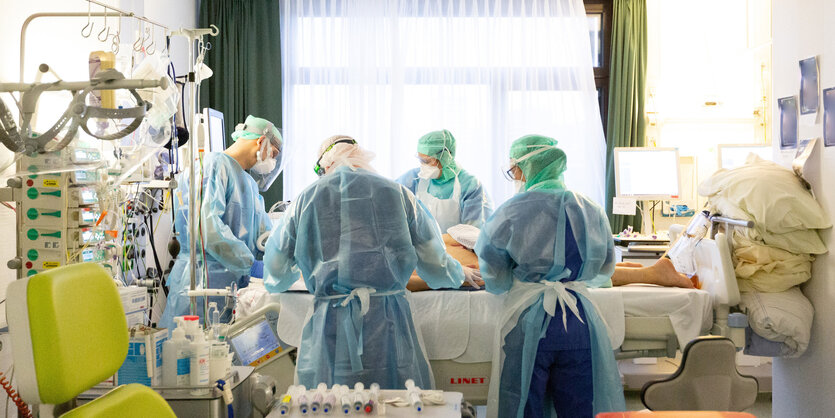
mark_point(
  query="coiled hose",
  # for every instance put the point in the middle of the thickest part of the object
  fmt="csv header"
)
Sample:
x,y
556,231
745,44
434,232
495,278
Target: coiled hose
x,y
13,395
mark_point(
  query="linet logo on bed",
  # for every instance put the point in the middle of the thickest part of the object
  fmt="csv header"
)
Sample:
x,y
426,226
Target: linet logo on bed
x,y
468,380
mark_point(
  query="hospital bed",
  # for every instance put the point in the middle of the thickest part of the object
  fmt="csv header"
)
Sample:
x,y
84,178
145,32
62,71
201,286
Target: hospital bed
x,y
642,320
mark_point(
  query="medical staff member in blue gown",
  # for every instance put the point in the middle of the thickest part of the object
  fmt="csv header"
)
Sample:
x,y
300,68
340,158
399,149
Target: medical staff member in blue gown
x,y
451,194
544,248
356,237
232,215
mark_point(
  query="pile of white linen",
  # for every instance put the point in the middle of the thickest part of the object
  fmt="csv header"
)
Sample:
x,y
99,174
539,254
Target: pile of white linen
x,y
775,256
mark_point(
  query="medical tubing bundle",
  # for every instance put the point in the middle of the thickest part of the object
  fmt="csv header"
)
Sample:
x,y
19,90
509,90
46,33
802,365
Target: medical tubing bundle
x,y
15,397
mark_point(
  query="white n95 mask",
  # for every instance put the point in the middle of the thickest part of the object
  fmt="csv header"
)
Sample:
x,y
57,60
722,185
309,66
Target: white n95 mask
x,y
519,185
264,167
429,172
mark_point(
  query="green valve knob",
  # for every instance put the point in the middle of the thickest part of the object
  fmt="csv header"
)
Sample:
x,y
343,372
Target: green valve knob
x,y
31,273
56,234
32,254
32,214
32,193
32,234
56,214
56,193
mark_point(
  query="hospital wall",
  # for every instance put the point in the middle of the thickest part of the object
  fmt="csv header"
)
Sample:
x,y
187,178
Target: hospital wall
x,y
801,29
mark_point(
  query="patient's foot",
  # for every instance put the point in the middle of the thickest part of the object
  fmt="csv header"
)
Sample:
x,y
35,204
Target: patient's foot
x,y
663,273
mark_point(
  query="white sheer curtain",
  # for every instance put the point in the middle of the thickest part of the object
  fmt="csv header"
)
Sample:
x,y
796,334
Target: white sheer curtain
x,y
387,72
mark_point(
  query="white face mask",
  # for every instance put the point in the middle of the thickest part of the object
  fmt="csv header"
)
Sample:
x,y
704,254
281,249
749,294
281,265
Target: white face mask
x,y
429,172
264,167
519,185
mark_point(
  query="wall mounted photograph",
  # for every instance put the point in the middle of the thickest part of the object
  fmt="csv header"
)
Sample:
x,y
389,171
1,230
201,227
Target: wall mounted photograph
x,y
788,122
829,117
809,86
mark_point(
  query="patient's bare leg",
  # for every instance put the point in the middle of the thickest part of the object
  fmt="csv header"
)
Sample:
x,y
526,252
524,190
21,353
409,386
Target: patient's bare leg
x,y
661,273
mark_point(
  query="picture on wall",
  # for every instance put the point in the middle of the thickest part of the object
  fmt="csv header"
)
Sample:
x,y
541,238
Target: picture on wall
x,y
829,117
809,86
788,122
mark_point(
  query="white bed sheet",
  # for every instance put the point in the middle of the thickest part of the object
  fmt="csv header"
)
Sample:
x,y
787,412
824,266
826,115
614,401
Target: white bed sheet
x,y
471,341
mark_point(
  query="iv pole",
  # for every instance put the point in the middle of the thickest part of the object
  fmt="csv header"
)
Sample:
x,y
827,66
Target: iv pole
x,y
193,35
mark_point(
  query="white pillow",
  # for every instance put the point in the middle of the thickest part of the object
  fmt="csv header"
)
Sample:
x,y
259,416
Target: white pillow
x,y
784,317
768,269
767,193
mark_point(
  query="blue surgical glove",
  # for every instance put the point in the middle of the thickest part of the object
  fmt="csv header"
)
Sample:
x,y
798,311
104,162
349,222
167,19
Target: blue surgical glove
x,y
257,269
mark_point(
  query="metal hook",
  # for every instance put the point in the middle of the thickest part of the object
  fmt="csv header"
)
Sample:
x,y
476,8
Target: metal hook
x,y
89,24
105,28
150,49
116,39
137,45
145,39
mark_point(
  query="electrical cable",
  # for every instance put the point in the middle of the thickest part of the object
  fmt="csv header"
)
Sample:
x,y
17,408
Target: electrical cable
x,y
14,396
153,246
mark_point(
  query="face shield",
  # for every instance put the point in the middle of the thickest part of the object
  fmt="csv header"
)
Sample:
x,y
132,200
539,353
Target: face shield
x,y
270,159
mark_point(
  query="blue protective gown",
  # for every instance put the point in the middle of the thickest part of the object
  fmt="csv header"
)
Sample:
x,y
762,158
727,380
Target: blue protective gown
x,y
552,236
348,233
475,204
232,216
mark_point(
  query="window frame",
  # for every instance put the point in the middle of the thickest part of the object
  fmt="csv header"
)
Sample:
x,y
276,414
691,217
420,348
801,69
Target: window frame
x,y
601,74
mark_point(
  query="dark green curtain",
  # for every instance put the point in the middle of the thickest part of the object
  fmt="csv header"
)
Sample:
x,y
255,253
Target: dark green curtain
x,y
627,79
246,60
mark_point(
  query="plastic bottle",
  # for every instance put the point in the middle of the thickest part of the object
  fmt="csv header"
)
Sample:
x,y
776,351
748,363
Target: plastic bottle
x,y
318,398
300,398
359,401
329,402
175,358
213,317
413,395
373,398
191,324
219,365
285,403
199,362
682,252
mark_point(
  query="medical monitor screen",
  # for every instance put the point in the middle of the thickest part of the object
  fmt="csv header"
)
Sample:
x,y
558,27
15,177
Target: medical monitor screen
x,y
256,344
647,173
733,156
217,130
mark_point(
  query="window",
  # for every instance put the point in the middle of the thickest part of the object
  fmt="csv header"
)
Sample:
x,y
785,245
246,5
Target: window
x,y
388,75
599,13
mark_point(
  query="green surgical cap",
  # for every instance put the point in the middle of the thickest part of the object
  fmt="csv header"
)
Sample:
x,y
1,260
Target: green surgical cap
x,y
440,145
253,128
543,170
